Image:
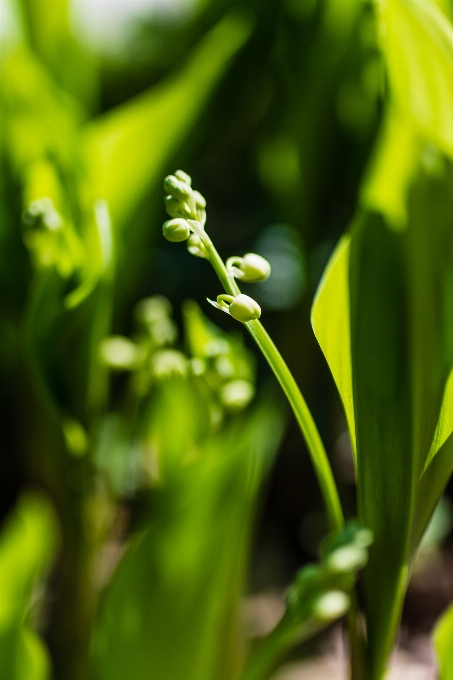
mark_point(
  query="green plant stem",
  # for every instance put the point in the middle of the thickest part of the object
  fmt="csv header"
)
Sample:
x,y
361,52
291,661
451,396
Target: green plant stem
x,y
306,423
318,456
273,648
284,376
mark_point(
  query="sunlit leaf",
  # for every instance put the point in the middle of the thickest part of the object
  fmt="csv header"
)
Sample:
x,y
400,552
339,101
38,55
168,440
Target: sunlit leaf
x,y
48,32
127,148
392,168
401,341
331,325
443,644
26,544
417,40
182,577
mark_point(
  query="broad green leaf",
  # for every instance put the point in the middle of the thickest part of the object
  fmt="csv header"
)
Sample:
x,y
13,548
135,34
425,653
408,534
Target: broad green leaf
x,y
26,545
443,644
417,40
39,118
181,578
48,32
126,149
445,424
382,408
431,486
402,352
331,325
392,167
41,125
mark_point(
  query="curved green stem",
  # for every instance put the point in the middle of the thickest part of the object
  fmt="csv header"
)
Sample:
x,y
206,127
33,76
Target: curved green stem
x,y
284,376
306,423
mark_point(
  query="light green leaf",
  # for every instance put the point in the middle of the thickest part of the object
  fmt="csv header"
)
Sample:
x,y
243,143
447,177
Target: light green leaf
x,y
48,32
402,352
430,488
26,544
417,40
382,409
331,325
392,167
126,150
445,424
180,581
443,644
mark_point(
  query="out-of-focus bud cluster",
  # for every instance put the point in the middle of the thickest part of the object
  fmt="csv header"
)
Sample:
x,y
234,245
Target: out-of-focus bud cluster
x,y
220,364
220,360
50,240
149,354
184,205
189,393
320,593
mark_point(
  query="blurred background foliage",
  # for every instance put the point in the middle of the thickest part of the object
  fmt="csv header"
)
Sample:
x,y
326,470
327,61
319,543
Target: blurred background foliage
x,y
142,428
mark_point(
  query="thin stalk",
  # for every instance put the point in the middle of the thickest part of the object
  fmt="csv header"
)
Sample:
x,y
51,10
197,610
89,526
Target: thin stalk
x,y
320,461
284,376
305,420
273,648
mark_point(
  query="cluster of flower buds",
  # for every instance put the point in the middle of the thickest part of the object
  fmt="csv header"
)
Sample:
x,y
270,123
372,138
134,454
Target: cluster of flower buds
x,y
319,596
241,307
42,212
320,592
187,208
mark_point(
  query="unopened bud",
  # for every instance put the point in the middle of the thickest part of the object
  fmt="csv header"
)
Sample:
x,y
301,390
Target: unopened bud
x,y
120,354
348,558
330,606
242,307
199,200
176,208
176,230
237,394
179,190
168,362
184,177
196,247
251,268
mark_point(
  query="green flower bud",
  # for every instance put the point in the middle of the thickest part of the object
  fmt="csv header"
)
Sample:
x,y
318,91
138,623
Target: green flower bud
x,y
237,394
242,307
152,309
75,436
120,354
176,208
196,247
168,362
179,190
251,268
184,177
200,200
176,230
348,558
330,606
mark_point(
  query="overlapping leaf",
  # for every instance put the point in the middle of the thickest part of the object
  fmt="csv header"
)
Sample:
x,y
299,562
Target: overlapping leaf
x,y
26,544
181,578
400,307
126,150
442,638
